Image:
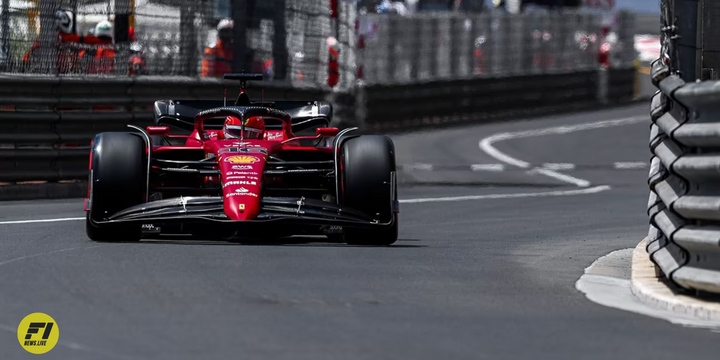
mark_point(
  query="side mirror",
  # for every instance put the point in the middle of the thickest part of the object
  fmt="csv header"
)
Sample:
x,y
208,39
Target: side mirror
x,y
326,132
158,130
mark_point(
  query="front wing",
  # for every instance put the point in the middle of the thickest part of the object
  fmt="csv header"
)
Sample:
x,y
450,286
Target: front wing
x,y
274,211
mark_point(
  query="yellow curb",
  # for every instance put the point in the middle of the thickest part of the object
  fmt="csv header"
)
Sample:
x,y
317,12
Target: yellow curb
x,y
652,291
644,70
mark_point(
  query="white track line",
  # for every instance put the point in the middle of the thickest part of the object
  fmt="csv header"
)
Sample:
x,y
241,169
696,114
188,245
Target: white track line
x,y
562,177
424,167
592,190
40,221
486,144
558,166
630,165
487,167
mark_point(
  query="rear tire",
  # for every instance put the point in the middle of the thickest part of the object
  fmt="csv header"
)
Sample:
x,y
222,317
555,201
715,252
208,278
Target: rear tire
x,y
368,163
118,180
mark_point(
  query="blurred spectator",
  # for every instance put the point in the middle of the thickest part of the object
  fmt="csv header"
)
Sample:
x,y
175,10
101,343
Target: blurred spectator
x,y
68,47
104,60
65,60
392,7
218,58
137,60
608,40
86,56
499,6
89,39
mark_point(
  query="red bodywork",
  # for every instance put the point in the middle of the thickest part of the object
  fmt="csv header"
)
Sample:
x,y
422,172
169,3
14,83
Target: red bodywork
x,y
241,163
279,185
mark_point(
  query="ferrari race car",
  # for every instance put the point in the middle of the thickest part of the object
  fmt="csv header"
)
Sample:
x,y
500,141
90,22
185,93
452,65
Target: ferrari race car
x,y
295,176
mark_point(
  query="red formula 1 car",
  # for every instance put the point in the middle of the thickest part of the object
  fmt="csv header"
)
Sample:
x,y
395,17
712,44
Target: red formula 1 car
x,y
225,181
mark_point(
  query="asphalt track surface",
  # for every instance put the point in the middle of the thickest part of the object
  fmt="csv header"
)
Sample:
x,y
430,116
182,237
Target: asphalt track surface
x,y
490,277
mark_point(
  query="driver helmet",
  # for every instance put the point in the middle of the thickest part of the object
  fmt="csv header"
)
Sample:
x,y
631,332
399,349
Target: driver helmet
x,y
225,24
104,29
225,30
63,20
254,128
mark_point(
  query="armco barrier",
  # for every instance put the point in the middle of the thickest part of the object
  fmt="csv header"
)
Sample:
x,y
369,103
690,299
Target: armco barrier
x,y
622,85
684,180
407,107
46,124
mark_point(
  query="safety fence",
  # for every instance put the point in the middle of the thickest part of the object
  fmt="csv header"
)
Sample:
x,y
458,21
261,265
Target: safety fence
x,y
297,40
684,180
443,46
287,40
413,71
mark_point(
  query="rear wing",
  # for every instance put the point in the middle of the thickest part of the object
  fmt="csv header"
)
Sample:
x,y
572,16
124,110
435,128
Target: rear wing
x,y
244,77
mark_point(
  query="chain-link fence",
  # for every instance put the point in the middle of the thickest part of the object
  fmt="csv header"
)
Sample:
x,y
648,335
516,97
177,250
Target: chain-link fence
x,y
626,27
285,39
438,46
296,40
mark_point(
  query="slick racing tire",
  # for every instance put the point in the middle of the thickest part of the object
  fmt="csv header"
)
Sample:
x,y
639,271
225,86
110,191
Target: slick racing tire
x,y
118,180
368,163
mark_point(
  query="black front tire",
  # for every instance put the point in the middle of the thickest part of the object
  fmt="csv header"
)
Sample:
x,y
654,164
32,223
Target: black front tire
x,y
118,180
368,164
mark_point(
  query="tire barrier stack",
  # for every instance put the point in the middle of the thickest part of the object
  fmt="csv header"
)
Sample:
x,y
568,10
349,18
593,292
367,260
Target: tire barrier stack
x,y
684,180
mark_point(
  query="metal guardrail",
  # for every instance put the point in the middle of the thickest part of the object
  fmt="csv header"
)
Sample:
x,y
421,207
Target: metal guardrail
x,y
623,85
46,124
403,107
684,180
